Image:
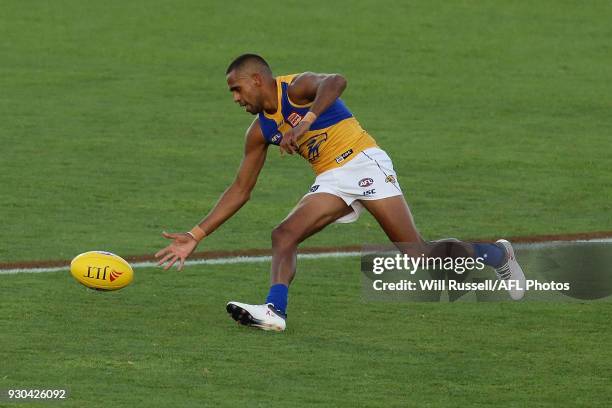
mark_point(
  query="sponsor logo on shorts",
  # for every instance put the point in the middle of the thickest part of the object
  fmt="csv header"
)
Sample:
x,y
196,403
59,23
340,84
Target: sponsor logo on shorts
x,y
369,192
366,182
314,188
276,138
344,155
390,179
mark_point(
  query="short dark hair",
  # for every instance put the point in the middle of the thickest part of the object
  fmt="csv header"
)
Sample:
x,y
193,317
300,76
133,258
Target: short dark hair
x,y
247,59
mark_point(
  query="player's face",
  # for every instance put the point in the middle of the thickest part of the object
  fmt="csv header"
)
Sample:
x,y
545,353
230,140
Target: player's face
x,y
246,91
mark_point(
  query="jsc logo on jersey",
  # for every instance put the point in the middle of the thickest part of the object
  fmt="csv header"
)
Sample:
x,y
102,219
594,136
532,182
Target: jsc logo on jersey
x,y
366,182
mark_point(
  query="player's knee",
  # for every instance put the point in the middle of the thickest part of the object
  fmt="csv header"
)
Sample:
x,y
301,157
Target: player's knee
x,y
282,236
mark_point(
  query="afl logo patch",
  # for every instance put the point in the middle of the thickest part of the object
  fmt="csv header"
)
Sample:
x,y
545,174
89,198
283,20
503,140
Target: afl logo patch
x,y
276,138
366,182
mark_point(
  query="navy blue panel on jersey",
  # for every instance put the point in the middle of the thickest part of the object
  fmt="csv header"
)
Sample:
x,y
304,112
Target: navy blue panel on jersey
x,y
291,115
269,130
332,115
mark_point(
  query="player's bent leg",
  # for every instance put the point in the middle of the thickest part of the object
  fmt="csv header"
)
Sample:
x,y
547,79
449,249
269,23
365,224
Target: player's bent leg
x,y
313,213
395,218
393,215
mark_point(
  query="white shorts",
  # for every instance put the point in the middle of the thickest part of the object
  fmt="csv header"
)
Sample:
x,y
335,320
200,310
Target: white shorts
x,y
369,176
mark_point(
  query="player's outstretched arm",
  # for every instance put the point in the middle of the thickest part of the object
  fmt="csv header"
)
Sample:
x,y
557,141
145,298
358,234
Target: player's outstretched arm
x,y
320,89
237,194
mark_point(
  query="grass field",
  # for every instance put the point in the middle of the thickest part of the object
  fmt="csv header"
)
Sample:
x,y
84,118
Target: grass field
x,y
166,341
117,123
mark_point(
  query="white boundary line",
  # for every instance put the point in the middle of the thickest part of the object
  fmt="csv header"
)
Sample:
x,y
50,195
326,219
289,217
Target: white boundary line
x,y
258,259
216,261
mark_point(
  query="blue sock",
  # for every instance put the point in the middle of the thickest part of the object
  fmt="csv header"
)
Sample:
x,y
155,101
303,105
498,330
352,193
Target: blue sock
x,y
491,254
278,297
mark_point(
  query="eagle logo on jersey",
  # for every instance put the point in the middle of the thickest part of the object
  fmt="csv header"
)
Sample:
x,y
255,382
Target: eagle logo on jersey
x,y
313,144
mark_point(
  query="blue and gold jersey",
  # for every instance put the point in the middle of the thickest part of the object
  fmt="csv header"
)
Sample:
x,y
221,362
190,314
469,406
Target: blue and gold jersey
x,y
333,139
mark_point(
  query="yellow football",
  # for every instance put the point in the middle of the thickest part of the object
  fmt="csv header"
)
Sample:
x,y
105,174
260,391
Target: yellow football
x,y
101,270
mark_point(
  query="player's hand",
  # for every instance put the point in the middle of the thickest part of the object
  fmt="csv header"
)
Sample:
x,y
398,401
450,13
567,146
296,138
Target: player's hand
x,y
181,247
289,141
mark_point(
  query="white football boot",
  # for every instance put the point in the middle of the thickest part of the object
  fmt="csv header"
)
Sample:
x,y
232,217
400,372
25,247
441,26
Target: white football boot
x,y
511,271
265,317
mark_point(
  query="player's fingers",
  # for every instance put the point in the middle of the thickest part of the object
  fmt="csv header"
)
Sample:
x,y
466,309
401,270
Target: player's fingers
x,y
169,236
171,263
165,258
289,147
162,252
181,264
295,146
